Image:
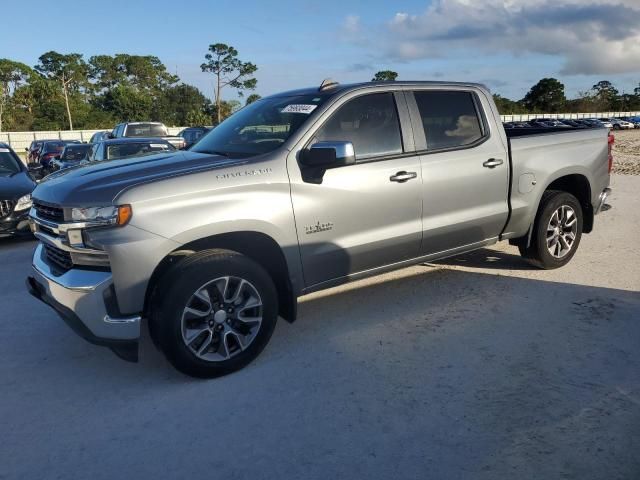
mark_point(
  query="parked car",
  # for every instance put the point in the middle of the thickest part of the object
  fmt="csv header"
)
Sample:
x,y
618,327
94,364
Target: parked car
x,y
635,121
192,134
296,193
147,130
606,121
117,148
516,125
594,122
99,136
51,149
33,150
619,124
16,185
72,154
572,123
547,122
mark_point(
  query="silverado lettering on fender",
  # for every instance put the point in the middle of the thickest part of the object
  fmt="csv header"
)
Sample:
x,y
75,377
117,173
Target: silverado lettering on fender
x,y
320,186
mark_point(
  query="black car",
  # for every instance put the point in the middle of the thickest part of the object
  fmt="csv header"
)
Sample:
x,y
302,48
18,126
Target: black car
x,y
71,155
51,149
192,134
572,123
16,185
127,147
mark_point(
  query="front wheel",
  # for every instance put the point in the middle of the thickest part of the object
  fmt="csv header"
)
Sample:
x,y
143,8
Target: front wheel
x,y
556,232
216,311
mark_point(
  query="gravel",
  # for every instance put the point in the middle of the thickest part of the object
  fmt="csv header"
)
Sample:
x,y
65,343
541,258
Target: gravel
x,y
626,152
475,367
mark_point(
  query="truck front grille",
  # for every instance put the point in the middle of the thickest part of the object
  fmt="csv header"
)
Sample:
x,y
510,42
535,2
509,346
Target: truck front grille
x,y
47,212
59,258
6,208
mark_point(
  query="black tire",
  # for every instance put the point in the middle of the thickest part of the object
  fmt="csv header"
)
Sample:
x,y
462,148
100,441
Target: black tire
x,y
175,290
537,253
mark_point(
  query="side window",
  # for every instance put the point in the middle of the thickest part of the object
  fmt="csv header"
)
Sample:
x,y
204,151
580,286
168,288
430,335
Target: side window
x,y
370,122
450,119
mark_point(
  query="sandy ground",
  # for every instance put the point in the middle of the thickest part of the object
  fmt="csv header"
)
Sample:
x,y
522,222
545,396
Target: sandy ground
x,y
626,152
474,368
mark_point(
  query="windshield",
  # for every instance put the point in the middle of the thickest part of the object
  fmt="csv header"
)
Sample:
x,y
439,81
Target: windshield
x,y
8,162
260,127
146,130
53,147
125,150
74,152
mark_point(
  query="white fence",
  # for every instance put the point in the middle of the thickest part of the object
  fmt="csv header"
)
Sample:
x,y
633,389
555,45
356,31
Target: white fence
x,y
21,140
530,116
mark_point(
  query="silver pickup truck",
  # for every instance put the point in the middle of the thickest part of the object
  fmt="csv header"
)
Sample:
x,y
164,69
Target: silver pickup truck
x,y
295,193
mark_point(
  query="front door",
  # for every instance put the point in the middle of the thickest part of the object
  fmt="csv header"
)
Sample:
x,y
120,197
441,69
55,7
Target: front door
x,y
364,215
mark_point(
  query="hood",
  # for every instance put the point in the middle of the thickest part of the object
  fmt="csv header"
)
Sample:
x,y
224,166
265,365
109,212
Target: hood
x,y
15,186
99,183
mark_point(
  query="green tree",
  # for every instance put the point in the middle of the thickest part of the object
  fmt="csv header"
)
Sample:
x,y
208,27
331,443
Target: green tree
x,y
69,70
546,96
12,76
606,95
134,87
254,97
229,71
175,103
127,103
385,76
227,108
197,118
507,106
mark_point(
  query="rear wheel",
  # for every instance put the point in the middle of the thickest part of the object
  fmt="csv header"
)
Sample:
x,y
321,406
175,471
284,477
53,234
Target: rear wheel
x,y
216,313
556,232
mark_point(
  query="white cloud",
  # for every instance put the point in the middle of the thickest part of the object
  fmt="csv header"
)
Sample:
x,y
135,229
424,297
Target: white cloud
x,y
351,24
589,36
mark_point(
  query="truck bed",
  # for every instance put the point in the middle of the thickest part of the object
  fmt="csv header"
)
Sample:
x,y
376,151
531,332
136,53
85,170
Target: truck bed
x,y
539,156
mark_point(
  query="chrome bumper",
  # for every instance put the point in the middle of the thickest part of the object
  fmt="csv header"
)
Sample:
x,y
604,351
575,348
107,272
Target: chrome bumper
x,y
85,299
601,201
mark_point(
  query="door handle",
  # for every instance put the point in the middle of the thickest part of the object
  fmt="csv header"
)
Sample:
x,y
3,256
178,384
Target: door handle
x,y
403,176
492,163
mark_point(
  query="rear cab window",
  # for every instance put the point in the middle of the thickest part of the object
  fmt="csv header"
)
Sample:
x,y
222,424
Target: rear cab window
x,y
450,119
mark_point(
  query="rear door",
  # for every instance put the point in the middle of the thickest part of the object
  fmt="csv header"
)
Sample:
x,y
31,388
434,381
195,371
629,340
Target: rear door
x,y
465,169
360,216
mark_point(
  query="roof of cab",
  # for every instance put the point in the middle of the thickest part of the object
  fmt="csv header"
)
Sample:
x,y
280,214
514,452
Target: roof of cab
x,y
341,88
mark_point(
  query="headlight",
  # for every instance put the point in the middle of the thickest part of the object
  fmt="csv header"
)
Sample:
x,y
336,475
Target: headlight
x,y
111,215
23,203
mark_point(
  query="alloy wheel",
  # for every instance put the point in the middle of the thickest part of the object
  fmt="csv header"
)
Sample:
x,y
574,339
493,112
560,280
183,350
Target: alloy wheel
x,y
222,318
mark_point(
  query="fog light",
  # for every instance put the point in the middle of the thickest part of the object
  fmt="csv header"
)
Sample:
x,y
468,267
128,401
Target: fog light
x,y
75,238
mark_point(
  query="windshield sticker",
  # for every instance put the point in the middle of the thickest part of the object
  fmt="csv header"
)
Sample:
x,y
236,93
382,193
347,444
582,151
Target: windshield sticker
x,y
299,108
4,150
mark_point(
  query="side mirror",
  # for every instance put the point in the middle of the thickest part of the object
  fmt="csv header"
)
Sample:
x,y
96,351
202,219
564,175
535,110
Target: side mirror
x,y
26,149
329,155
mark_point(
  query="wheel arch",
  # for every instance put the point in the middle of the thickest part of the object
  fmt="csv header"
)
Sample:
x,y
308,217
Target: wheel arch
x,y
579,186
257,246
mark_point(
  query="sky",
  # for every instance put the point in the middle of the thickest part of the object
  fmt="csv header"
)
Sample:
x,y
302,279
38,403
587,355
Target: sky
x,y
506,44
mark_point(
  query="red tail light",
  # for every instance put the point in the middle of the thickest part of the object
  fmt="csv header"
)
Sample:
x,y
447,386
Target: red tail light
x,y
611,142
